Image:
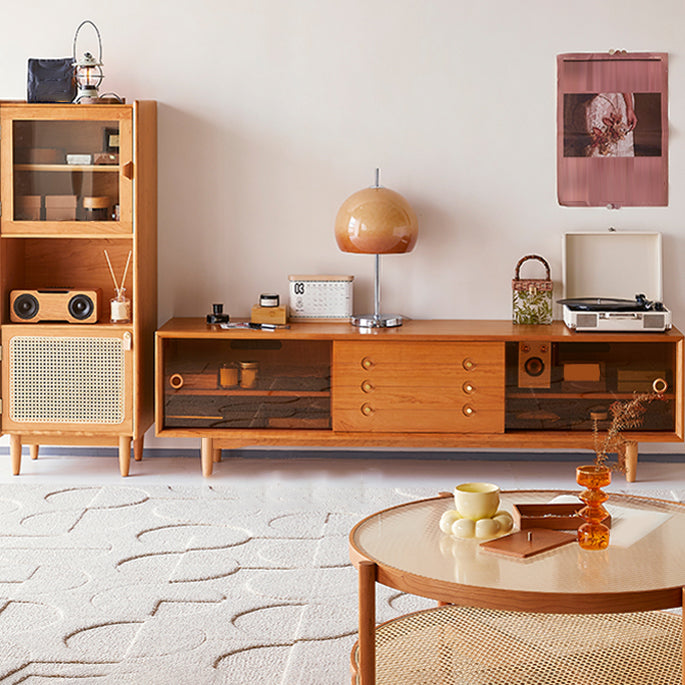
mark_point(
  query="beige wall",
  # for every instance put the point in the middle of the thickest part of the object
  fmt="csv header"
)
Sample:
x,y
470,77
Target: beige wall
x,y
272,112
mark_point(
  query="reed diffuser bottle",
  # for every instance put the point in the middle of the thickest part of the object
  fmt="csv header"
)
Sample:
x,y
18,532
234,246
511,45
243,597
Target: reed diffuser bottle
x,y
120,305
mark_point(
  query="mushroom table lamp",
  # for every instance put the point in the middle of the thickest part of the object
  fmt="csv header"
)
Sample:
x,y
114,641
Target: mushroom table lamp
x,y
376,221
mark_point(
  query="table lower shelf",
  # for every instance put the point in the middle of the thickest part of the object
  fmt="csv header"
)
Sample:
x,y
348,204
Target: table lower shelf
x,y
451,644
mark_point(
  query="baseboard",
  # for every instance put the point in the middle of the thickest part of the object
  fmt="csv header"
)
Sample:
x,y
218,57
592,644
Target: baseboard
x,y
416,455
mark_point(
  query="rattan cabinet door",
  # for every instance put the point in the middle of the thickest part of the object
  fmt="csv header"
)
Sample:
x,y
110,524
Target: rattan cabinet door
x,y
64,381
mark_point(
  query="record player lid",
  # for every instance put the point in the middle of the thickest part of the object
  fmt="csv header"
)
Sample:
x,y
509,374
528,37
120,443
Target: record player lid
x,y
614,264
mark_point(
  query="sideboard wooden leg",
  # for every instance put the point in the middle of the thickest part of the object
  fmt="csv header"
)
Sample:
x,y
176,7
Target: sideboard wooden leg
x,y
631,461
15,453
216,456
124,454
367,622
138,448
207,456
33,451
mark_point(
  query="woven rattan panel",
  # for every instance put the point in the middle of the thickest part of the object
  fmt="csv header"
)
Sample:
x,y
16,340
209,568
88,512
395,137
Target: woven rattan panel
x,y
466,646
66,380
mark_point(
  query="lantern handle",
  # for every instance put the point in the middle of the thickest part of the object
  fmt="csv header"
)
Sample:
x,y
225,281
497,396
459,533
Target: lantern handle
x,y
80,26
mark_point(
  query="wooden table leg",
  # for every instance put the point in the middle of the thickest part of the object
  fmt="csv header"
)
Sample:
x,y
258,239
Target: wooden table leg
x,y
33,451
631,461
15,453
138,448
207,456
216,456
367,622
124,454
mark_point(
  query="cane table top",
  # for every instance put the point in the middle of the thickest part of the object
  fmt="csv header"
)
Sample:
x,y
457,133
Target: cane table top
x,y
643,567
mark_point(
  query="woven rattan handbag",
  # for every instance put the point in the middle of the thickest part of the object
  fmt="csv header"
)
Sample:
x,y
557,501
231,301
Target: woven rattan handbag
x,y
532,297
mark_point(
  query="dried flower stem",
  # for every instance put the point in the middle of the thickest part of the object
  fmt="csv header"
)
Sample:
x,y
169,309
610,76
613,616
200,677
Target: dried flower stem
x,y
625,415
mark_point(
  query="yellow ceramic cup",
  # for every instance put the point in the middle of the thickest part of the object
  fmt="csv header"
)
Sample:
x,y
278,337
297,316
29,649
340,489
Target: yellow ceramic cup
x,y
476,500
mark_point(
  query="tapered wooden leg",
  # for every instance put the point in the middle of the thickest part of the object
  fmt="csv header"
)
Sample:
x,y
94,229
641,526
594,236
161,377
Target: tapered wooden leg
x,y
207,456
138,448
33,451
631,461
15,453
124,454
367,622
216,457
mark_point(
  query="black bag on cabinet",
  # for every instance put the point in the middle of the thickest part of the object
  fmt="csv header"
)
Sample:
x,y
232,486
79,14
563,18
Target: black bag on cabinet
x,y
51,80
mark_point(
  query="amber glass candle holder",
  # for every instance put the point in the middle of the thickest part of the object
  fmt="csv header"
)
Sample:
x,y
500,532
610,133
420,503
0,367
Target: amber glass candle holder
x,y
593,534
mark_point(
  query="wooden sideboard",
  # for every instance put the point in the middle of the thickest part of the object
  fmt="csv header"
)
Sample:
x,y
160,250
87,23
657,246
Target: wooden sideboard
x,y
427,384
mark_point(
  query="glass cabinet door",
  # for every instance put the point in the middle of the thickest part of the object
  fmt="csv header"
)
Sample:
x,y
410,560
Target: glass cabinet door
x,y
244,383
72,170
568,386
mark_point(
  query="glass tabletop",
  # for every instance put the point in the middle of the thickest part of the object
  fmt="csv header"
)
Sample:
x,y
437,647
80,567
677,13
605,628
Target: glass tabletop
x,y
646,551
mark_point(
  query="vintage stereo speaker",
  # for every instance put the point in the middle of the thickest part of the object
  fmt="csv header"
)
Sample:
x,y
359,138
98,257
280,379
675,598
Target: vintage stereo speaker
x,y
535,365
72,306
66,379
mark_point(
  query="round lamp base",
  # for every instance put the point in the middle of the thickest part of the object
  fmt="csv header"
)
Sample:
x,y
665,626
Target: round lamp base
x,y
377,320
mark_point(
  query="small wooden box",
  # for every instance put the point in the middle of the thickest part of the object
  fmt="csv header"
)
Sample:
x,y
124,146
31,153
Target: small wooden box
x,y
28,208
275,315
562,516
106,158
60,207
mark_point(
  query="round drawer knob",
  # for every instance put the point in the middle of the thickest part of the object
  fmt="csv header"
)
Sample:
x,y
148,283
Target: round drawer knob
x,y
468,410
367,386
176,381
468,364
467,388
367,409
367,363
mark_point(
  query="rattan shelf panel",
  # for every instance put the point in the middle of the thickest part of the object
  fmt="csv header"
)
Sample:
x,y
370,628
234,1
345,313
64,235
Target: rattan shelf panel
x,y
453,645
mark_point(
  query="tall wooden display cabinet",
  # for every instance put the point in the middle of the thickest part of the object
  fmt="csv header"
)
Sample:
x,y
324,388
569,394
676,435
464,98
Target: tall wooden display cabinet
x,y
76,181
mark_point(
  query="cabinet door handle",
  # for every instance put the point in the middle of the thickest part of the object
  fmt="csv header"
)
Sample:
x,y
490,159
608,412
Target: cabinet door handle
x,y
127,170
367,363
367,409
467,388
468,364
367,386
468,410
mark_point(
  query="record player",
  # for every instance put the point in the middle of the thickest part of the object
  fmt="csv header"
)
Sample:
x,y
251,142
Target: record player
x,y
613,282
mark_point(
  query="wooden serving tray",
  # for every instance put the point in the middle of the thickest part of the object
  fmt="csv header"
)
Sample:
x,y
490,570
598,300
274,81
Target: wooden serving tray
x,y
561,516
526,543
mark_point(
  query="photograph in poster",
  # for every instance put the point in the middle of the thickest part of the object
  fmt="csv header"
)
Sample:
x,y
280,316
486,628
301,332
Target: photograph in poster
x,y
612,130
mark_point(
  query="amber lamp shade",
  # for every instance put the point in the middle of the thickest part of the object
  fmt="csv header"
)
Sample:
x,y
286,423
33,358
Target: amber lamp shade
x,y
376,221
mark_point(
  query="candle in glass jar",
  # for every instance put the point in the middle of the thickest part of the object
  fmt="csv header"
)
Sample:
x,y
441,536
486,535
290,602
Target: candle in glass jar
x,y
248,374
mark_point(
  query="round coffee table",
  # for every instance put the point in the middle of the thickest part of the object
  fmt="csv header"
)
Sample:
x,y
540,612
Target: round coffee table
x,y
566,615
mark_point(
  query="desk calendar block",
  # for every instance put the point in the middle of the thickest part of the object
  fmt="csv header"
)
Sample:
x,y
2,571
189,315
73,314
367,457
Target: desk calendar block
x,y
320,298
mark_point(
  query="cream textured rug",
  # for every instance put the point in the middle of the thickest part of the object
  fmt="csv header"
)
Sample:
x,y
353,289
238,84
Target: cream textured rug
x,y
209,584
190,585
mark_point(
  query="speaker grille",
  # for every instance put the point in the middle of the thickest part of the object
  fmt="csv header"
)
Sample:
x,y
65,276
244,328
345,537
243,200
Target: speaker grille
x,y
66,380
586,320
654,321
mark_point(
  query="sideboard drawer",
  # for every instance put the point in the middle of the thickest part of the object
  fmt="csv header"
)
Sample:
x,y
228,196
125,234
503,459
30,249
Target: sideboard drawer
x,y
418,386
